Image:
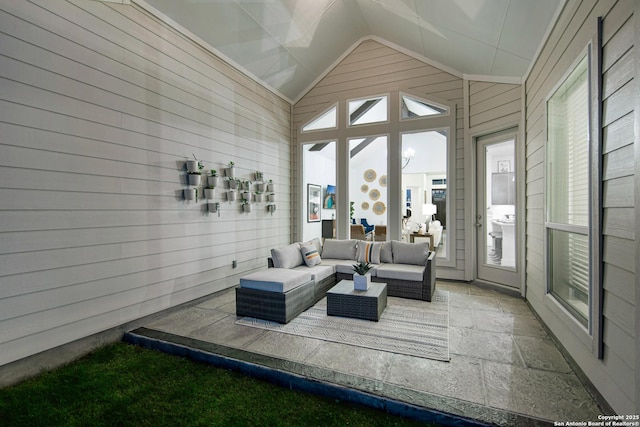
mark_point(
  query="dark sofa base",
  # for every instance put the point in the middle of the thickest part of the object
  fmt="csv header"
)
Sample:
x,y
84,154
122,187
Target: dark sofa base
x,y
404,288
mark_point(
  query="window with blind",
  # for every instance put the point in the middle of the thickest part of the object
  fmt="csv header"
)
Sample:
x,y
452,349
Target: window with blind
x,y
567,193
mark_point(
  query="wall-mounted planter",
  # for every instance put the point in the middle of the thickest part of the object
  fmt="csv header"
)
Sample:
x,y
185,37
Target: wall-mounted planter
x,y
192,166
272,197
233,184
246,207
230,172
246,186
213,206
194,178
261,187
270,186
259,197
271,208
231,195
190,193
258,176
209,193
213,180
246,195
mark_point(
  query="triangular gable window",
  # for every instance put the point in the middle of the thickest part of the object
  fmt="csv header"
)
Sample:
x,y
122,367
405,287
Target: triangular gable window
x,y
370,110
413,107
326,120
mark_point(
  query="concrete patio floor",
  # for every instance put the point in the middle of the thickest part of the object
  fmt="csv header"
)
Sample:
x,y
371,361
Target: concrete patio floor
x,y
504,368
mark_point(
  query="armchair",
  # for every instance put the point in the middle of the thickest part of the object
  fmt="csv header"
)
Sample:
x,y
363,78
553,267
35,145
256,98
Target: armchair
x,y
358,233
367,228
380,233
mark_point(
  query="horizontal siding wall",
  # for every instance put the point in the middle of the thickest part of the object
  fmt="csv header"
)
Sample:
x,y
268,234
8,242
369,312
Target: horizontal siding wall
x,y
373,69
100,106
614,376
494,106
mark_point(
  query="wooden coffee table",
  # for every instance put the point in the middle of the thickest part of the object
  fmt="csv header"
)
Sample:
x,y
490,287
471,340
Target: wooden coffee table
x,y
343,300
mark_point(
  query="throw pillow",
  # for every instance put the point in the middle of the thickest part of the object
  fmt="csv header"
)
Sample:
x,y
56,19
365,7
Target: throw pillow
x,y
385,253
339,249
410,253
310,254
369,252
287,256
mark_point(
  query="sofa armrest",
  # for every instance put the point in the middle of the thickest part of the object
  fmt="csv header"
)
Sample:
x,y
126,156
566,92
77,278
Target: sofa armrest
x,y
429,277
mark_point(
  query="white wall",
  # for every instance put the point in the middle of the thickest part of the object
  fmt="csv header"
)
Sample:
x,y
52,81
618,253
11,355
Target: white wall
x,y
321,170
100,106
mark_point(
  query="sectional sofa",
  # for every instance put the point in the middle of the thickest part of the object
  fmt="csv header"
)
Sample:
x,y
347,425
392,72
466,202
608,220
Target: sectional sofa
x,y
408,269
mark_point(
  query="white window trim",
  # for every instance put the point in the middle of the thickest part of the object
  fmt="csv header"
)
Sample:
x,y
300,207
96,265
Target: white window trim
x,y
426,101
364,98
590,336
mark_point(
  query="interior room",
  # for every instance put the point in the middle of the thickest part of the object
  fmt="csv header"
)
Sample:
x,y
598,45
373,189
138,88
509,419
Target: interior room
x,y
153,153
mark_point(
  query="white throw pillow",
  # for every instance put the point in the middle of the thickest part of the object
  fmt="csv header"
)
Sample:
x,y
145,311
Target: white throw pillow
x,y
369,252
310,254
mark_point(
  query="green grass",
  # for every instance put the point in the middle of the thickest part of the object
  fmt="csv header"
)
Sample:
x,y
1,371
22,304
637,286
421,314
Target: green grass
x,y
122,384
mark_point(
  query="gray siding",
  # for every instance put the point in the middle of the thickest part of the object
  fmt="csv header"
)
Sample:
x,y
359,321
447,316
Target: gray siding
x,y
615,374
100,106
494,106
371,69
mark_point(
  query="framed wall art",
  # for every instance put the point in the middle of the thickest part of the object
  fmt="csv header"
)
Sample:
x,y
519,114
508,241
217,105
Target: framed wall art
x,y
314,203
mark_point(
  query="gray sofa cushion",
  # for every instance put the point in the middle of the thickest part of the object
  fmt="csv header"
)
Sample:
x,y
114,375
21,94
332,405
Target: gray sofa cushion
x,y
413,273
287,256
275,279
318,272
339,249
386,255
410,253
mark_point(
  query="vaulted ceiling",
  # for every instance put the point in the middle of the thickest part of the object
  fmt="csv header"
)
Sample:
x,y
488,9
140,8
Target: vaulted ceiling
x,y
289,44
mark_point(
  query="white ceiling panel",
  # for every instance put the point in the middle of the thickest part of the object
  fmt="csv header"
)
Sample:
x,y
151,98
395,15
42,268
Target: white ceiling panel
x,y
507,64
399,26
288,44
479,20
472,56
522,31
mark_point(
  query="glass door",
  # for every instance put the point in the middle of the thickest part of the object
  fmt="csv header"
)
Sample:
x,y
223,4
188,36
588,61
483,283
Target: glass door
x,y
497,248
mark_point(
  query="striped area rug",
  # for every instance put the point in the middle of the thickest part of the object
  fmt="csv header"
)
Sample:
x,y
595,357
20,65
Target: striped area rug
x,y
416,328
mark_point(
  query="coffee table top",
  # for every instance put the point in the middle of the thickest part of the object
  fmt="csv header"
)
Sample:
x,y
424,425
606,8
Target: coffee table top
x,y
345,287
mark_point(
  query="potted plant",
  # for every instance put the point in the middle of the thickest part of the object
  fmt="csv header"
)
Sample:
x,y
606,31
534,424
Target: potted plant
x,y
233,183
210,192
213,179
231,195
246,206
231,170
191,194
194,172
261,186
194,165
271,208
270,185
272,197
246,185
361,276
246,195
259,196
259,176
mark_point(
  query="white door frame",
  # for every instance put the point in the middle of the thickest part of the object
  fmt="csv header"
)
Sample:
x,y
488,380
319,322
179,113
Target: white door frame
x,y
516,131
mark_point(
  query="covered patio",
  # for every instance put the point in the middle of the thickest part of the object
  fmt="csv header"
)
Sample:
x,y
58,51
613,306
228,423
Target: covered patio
x,y
504,367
